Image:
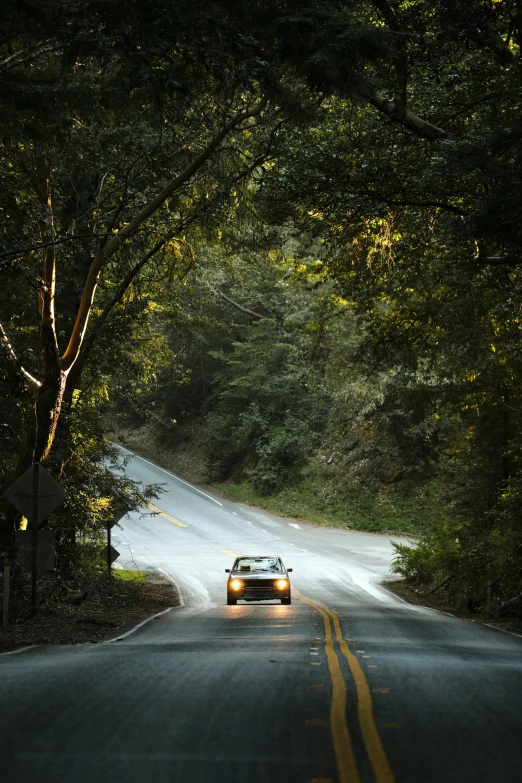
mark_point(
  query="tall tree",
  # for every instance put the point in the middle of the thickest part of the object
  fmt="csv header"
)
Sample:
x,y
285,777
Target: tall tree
x,y
132,101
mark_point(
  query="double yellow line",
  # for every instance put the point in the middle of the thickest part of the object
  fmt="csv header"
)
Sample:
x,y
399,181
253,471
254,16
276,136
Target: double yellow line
x,y
167,516
343,747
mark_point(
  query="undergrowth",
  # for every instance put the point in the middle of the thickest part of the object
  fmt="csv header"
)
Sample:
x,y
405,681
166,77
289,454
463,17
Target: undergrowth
x,y
319,499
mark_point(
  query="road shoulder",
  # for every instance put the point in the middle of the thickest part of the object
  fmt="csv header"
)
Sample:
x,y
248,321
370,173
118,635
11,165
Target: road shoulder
x,y
101,615
418,596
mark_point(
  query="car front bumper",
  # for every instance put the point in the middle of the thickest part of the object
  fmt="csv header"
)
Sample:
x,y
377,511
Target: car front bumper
x,y
258,594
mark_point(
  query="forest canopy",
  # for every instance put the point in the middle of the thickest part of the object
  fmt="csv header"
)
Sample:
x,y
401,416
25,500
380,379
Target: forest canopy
x,y
286,236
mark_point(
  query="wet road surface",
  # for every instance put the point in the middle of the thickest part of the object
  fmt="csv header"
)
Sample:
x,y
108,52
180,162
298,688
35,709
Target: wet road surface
x,y
348,684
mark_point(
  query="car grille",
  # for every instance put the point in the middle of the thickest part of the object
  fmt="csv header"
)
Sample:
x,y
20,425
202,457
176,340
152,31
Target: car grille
x,y
260,584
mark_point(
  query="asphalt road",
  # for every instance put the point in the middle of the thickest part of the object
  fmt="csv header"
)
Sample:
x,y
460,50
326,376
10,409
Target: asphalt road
x,y
348,684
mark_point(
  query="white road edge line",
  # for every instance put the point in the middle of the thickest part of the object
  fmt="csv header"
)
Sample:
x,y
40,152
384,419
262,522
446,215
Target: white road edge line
x,y
172,475
439,611
139,625
21,649
132,630
421,606
399,597
502,630
152,617
176,585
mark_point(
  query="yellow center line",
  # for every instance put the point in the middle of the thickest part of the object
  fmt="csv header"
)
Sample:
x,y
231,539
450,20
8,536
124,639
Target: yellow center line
x,y
167,516
229,552
342,742
372,741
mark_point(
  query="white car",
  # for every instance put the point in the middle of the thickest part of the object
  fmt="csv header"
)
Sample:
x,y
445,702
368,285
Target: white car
x,y
258,578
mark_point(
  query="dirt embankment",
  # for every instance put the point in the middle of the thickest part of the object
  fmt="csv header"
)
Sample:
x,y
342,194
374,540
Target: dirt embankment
x,y
102,612
423,596
186,458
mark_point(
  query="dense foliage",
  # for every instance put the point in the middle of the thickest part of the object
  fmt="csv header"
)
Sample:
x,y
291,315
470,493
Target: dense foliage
x,y
289,231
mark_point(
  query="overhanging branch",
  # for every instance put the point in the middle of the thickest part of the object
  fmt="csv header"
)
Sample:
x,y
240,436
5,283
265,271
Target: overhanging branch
x,y
498,260
32,382
397,112
22,251
420,204
114,244
240,307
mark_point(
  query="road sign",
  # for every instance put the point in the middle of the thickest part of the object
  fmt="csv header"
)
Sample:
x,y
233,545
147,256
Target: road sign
x,y
35,495
109,554
120,509
46,549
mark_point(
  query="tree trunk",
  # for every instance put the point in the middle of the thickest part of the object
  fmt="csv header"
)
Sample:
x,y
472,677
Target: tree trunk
x,y
40,436
49,396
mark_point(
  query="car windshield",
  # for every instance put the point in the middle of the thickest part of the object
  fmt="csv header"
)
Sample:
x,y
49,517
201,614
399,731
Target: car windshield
x,y
251,564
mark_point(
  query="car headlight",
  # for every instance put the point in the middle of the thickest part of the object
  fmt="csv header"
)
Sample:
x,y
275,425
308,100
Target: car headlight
x,y
236,584
281,584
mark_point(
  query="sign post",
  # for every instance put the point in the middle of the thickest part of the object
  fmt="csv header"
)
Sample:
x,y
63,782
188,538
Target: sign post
x,y
35,494
109,547
109,553
34,535
5,607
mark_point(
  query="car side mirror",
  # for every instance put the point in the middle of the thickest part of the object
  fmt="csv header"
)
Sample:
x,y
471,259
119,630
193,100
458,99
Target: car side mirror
x,y
227,570
289,569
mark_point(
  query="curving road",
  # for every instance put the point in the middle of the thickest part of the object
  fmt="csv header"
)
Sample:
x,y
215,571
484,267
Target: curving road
x,y
346,685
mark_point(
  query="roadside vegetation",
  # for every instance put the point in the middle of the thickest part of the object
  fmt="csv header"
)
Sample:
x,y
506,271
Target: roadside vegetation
x,y
284,240
94,610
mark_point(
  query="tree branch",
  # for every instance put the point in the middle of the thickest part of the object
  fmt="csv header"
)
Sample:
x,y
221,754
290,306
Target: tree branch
x,y
240,307
114,244
397,112
45,49
498,260
445,582
479,27
25,250
88,344
46,291
90,341
437,204
33,382
482,32
469,106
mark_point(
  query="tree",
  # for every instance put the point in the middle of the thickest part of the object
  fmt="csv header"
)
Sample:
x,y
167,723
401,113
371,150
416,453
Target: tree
x,y
88,176
422,228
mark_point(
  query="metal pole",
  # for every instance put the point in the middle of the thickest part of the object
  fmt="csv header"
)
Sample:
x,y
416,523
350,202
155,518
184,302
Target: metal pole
x,y
5,608
34,537
109,544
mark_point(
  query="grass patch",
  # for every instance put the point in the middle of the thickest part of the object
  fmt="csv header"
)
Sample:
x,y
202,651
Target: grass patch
x,y
128,575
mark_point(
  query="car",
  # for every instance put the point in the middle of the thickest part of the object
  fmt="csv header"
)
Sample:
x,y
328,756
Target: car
x,y
259,578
